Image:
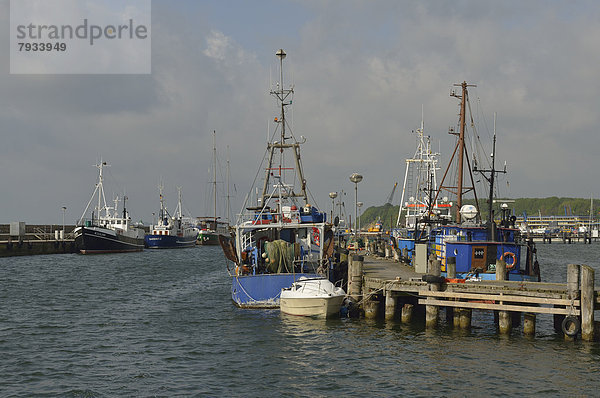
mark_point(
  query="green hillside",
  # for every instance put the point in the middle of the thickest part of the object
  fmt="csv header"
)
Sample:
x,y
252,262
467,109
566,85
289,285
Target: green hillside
x,y
552,206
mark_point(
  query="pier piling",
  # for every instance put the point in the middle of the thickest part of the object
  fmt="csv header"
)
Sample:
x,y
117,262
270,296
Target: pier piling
x,y
529,324
371,309
355,270
451,274
504,317
432,311
390,305
465,318
407,310
587,303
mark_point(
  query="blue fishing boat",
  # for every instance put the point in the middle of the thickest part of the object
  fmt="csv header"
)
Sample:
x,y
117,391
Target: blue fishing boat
x,y
171,232
280,237
474,244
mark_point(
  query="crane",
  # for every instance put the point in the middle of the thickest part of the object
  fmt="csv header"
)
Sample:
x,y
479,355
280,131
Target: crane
x,y
391,196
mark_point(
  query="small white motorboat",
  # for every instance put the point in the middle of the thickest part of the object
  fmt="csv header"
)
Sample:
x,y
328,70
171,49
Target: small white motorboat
x,y
315,297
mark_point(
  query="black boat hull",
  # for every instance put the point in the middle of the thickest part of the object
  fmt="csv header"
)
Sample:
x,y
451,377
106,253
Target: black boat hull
x,y
100,240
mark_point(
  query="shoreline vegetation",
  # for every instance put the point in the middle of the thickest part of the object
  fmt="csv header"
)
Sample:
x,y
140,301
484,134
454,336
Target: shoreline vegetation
x,y
532,207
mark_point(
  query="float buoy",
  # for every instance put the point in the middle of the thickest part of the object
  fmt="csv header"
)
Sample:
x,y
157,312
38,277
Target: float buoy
x,y
514,260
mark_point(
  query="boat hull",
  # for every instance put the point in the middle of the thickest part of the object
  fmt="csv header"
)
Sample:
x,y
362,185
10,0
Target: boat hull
x,y
261,291
169,242
208,239
319,307
101,240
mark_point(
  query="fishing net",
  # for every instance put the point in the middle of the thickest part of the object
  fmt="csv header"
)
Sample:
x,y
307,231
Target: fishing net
x,y
280,255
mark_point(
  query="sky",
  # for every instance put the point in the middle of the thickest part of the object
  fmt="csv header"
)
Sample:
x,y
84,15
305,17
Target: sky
x,y
363,73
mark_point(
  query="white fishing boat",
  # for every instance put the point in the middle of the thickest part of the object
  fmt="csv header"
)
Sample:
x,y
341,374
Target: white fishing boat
x,y
316,297
108,230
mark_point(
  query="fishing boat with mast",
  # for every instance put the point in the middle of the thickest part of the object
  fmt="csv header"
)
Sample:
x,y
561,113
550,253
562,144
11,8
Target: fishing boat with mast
x,y
171,232
281,237
475,244
419,209
107,230
212,227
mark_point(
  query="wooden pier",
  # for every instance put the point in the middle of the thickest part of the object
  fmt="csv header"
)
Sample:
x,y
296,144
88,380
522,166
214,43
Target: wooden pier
x,y
383,285
561,237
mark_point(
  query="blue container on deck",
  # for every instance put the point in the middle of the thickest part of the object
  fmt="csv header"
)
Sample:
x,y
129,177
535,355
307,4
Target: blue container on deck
x,y
311,214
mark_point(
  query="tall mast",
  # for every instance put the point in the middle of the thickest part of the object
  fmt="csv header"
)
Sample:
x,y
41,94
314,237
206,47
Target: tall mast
x,y
462,155
179,204
461,149
228,211
162,201
283,97
491,179
421,171
215,174
99,188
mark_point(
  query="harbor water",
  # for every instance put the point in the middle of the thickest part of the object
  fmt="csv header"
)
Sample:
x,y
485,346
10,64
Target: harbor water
x,y
161,323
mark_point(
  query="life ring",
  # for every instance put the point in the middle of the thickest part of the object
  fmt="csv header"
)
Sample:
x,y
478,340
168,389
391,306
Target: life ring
x,y
514,259
571,325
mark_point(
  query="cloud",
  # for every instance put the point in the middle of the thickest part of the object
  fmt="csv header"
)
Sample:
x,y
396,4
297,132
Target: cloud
x,y
362,73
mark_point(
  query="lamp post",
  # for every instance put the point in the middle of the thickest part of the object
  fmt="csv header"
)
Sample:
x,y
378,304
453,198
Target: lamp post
x,y
359,204
332,195
64,209
356,178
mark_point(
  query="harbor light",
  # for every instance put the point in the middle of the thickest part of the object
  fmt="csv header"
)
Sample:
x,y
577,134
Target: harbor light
x,y
360,205
64,209
356,178
332,195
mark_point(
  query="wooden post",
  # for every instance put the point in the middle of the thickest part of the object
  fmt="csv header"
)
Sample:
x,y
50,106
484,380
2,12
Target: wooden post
x,y
451,274
587,303
371,309
432,311
451,267
504,317
356,276
500,270
573,271
436,268
431,315
350,283
387,248
390,305
529,324
465,318
407,310
456,317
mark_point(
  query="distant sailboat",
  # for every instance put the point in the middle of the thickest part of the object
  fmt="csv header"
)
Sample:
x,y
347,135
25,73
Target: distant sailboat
x,y
212,227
